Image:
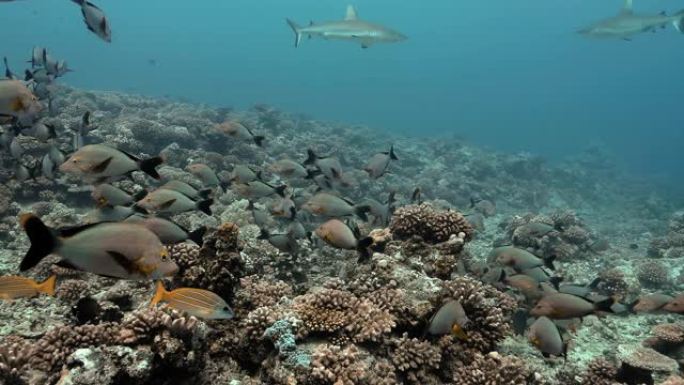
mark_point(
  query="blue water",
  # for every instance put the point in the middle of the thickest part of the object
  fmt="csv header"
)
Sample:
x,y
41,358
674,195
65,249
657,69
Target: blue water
x,y
511,75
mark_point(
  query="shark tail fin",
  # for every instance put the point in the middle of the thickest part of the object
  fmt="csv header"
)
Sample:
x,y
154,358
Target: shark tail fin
x,y
297,30
678,22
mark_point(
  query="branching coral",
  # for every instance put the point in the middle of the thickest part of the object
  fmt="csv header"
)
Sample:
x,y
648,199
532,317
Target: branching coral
x,y
341,313
333,365
415,358
600,372
494,369
432,226
216,266
488,310
255,292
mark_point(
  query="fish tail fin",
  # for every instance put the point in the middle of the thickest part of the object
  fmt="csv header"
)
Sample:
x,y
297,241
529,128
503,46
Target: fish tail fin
x,y
43,241
140,195
548,262
392,155
361,212
259,140
555,281
48,286
311,157
206,193
297,30
205,206
605,305
197,236
280,190
678,22
519,319
263,234
159,294
149,166
363,248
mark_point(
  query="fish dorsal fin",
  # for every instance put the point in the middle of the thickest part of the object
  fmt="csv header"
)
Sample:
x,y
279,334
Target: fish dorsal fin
x,y
351,13
627,8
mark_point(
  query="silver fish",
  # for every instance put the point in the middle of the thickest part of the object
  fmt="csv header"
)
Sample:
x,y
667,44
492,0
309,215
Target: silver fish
x,y
100,163
283,242
627,24
48,167
351,29
186,189
170,233
163,201
95,20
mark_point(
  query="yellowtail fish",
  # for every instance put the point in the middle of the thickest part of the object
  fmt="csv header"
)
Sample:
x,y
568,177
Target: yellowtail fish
x,y
12,287
119,250
196,302
546,337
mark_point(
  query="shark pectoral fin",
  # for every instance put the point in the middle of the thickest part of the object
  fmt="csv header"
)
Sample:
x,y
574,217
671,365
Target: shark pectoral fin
x,y
351,13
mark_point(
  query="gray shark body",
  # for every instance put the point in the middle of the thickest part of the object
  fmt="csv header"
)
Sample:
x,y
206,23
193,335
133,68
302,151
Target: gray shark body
x,y
350,29
627,24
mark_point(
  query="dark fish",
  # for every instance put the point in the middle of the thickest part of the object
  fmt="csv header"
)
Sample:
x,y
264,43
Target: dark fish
x,y
205,174
676,305
451,318
257,189
163,201
100,163
283,242
170,233
243,174
238,131
261,217
327,165
329,205
186,189
339,235
284,208
196,302
564,306
546,337
121,250
381,211
519,259
107,195
95,20
651,302
287,168
112,214
379,163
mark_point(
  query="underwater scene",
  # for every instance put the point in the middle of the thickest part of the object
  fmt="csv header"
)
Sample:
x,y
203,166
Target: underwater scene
x,y
334,193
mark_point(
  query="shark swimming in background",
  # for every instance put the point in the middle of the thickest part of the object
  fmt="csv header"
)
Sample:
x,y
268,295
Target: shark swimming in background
x,y
627,24
351,28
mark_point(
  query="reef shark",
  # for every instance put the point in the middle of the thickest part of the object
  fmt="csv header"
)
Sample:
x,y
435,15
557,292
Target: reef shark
x,y
627,24
351,28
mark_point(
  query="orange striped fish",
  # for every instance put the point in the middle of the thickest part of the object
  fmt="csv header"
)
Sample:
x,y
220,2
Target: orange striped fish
x,y
13,286
197,302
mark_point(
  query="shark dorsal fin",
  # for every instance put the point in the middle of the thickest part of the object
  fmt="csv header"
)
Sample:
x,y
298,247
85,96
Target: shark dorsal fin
x,y
351,13
627,9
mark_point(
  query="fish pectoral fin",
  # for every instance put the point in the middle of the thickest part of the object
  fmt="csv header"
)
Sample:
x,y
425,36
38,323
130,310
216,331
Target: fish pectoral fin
x,y
17,105
167,204
123,261
102,166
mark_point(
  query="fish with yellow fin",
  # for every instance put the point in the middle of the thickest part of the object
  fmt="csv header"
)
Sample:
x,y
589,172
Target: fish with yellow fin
x,y
196,302
451,318
14,286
